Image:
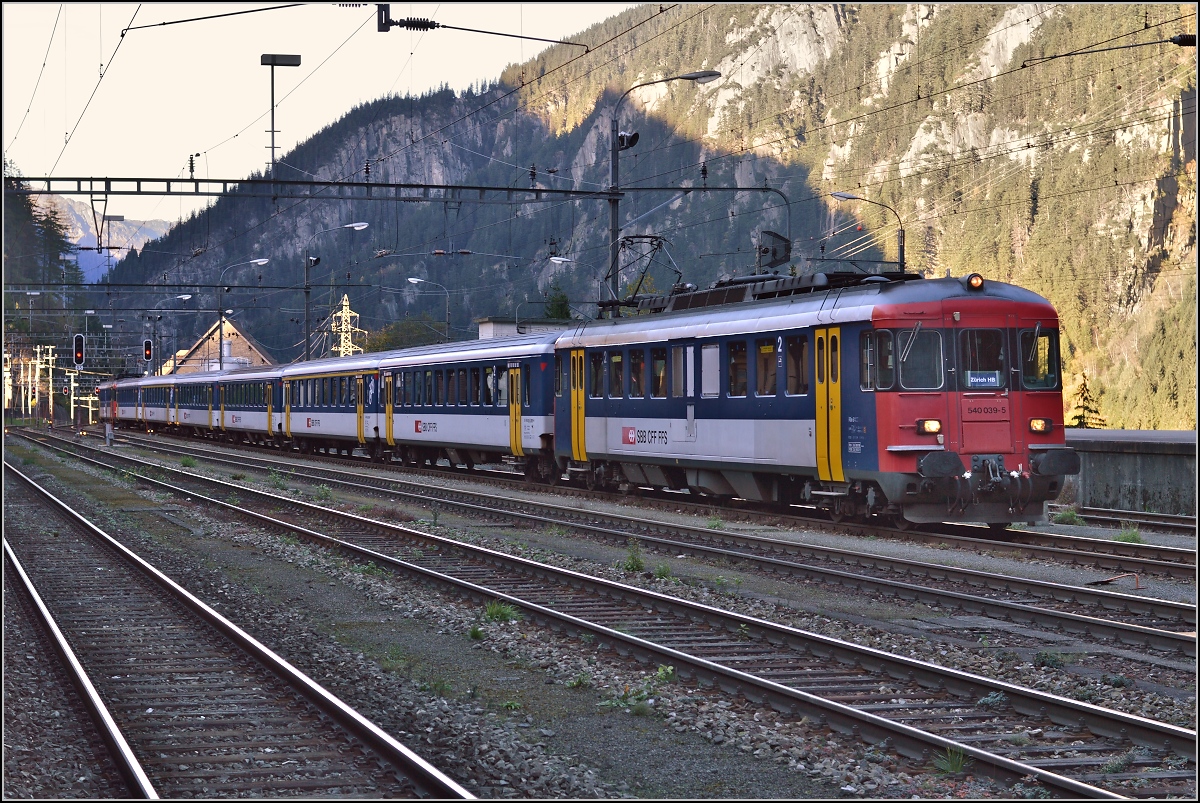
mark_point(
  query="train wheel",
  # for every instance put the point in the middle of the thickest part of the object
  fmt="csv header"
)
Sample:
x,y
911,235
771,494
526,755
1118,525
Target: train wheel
x,y
901,523
837,516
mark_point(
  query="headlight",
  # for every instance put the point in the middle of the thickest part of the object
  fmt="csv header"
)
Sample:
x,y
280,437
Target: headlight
x,y
1040,425
929,426
975,281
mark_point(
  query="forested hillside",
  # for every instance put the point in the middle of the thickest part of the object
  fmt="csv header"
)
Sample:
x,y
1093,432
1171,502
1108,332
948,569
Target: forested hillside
x,y
1000,147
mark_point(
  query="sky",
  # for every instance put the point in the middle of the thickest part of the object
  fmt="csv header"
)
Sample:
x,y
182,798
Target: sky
x,y
80,100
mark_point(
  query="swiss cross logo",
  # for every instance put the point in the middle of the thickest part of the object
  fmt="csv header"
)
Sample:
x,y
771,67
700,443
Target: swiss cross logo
x,y
417,426
629,436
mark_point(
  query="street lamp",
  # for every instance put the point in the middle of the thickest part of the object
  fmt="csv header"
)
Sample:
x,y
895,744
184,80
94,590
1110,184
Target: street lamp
x,y
276,60
620,142
415,280
308,263
221,318
158,364
845,196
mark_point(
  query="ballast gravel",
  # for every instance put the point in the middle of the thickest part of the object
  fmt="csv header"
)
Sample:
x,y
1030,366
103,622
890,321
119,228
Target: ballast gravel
x,y
551,717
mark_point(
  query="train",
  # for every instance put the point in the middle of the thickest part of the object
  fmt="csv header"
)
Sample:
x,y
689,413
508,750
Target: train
x,y
886,396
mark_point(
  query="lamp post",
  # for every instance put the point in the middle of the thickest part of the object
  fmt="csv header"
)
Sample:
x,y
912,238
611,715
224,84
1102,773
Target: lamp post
x,y
845,196
220,317
620,142
158,362
308,263
276,60
415,280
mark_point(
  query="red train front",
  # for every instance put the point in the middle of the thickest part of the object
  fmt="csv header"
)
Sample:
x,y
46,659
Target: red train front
x,y
967,392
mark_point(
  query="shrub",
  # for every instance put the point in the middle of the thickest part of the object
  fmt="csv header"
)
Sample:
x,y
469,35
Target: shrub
x,y
716,523
187,461
475,633
1052,660
662,571
581,681
994,700
323,493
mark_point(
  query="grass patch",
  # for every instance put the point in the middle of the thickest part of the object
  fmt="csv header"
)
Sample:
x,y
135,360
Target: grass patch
x,y
996,699
1129,534
323,493
1051,660
662,571
476,633
237,477
634,562
276,481
715,523
371,569
497,611
1068,516
581,681
512,705
187,461
952,762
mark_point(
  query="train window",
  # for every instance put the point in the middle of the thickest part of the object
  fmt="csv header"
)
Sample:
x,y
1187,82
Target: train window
x,y
920,359
658,373
820,360
451,387
737,367
489,385
1039,359
558,375
885,360
678,372
406,385
596,375
345,394
353,383
637,373
501,387
834,358
710,371
764,367
525,386
428,397
981,359
418,389
474,398
462,386
866,361
439,387
616,374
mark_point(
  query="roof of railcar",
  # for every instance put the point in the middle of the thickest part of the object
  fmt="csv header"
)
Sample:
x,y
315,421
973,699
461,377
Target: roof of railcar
x,y
821,308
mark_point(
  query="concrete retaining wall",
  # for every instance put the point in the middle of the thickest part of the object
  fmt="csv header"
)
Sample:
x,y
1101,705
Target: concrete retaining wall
x,y
1150,471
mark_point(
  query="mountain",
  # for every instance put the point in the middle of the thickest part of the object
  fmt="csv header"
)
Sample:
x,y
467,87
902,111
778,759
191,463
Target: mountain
x,y
80,223
981,129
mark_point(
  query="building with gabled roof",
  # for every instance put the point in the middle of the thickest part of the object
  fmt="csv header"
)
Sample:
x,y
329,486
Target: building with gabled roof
x,y
241,351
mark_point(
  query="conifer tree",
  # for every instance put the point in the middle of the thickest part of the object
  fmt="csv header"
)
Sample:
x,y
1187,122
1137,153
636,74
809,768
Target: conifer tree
x,y
1087,414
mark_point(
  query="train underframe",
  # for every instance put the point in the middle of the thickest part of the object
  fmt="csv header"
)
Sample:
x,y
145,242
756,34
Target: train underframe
x,y
994,489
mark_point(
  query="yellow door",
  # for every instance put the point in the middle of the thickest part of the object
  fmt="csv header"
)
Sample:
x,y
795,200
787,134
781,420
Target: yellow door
x,y
389,396
578,395
829,404
362,435
267,390
222,389
208,396
514,409
287,408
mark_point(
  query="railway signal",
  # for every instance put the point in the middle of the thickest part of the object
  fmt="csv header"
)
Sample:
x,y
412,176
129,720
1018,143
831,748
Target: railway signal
x,y
79,351
148,350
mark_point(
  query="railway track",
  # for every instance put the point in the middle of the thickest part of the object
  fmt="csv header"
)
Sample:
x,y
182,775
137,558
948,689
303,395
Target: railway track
x,y
1009,732
1159,521
188,703
1110,555
1127,619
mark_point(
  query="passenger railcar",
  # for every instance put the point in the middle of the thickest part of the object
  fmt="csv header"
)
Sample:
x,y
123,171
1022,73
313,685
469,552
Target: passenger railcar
x,y
886,395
